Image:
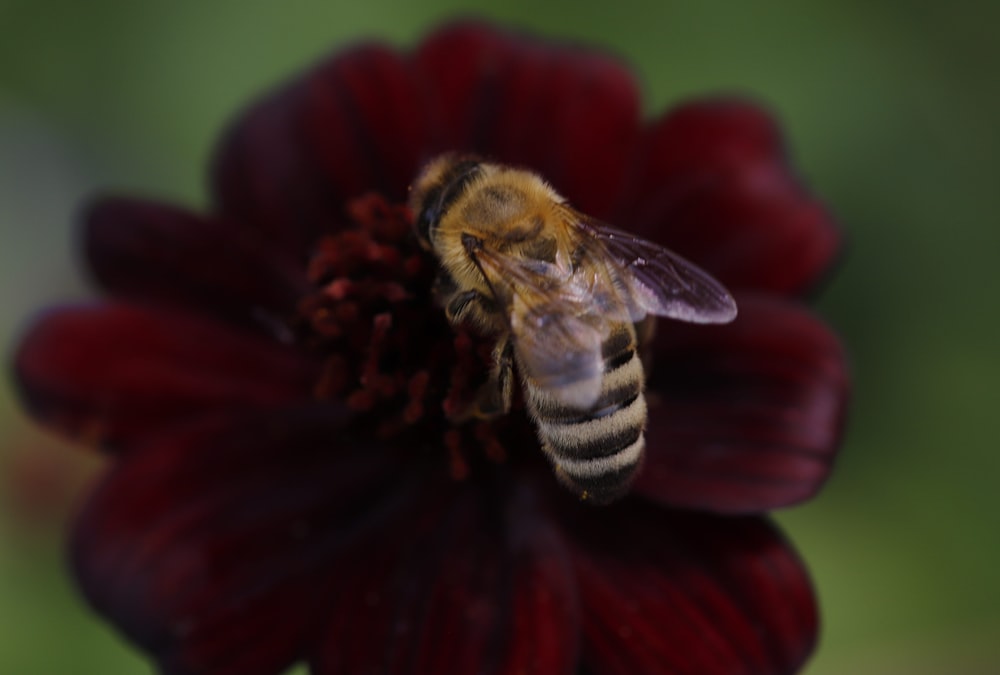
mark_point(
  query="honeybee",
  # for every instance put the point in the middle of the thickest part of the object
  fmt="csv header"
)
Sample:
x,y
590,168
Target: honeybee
x,y
563,294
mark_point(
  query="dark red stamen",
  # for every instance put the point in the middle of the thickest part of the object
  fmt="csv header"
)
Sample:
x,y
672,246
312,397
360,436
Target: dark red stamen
x,y
458,466
417,391
460,392
492,447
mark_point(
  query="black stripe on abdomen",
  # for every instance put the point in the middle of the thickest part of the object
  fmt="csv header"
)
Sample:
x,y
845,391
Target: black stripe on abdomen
x,y
603,488
597,437
621,383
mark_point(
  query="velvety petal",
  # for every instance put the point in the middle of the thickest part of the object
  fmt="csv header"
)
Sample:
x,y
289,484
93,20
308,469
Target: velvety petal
x,y
265,176
666,592
148,251
113,373
359,122
478,587
715,186
712,135
745,417
364,117
211,547
571,114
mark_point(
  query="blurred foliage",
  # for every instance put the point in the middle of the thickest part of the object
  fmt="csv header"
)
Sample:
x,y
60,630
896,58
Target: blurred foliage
x,y
891,111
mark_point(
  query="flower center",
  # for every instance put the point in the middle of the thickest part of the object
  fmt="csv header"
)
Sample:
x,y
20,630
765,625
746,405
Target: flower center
x,y
388,351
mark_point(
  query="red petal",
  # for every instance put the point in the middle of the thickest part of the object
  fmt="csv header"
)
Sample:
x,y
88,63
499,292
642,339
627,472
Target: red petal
x,y
466,591
151,251
745,417
668,592
210,547
266,176
364,116
571,114
115,373
360,121
715,186
714,135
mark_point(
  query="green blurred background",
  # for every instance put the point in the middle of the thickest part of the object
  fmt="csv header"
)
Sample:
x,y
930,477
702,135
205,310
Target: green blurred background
x,y
892,113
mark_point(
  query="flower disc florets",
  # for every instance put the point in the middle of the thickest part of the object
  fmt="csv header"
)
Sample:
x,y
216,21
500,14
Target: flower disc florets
x,y
387,350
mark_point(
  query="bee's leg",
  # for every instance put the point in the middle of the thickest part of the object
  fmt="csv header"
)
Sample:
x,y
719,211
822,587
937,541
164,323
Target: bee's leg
x,y
474,308
460,304
494,396
456,302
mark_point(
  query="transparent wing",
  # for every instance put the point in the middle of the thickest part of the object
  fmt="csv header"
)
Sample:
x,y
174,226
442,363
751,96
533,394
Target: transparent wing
x,y
557,335
657,280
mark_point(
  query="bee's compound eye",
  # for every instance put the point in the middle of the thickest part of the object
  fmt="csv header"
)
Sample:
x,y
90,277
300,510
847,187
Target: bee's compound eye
x,y
439,198
424,221
428,216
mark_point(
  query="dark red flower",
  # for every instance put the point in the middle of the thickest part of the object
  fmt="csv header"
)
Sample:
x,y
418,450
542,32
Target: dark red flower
x,y
272,379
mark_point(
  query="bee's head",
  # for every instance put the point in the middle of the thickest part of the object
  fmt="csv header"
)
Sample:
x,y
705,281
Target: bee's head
x,y
438,185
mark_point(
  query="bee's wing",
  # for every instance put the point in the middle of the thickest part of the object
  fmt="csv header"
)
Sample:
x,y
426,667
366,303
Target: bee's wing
x,y
658,280
557,336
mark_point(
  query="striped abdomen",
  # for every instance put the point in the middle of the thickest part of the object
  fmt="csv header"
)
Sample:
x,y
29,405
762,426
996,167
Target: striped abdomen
x,y
597,451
